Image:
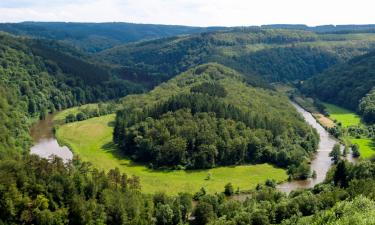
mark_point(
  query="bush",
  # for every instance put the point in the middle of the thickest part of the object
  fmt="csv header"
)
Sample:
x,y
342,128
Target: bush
x,y
70,118
355,151
228,189
81,116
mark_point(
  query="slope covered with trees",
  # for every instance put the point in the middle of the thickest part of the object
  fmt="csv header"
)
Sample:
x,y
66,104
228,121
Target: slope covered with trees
x,y
48,192
182,124
349,85
273,54
95,37
46,76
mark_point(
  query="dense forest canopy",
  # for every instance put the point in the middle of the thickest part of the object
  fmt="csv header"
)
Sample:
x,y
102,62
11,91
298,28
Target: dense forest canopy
x,y
349,84
208,117
47,77
95,37
273,54
343,29
199,119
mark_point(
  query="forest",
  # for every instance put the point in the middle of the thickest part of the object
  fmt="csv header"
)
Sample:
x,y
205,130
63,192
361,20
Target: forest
x,y
197,124
274,55
95,37
48,77
205,116
349,85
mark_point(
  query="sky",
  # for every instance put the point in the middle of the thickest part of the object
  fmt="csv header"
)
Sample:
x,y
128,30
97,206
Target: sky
x,y
192,12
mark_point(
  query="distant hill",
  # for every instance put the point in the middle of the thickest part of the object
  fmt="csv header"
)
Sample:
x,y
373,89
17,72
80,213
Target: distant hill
x,y
275,55
95,37
349,28
47,76
347,85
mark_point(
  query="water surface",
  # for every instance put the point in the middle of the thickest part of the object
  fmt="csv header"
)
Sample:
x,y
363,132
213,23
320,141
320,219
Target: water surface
x,y
321,162
45,143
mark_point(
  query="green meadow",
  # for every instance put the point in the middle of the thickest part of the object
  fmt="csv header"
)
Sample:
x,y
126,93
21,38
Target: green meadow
x,y
349,118
91,140
344,116
60,117
366,146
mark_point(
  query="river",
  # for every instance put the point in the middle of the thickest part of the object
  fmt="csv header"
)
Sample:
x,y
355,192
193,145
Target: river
x,y
45,142
47,145
321,162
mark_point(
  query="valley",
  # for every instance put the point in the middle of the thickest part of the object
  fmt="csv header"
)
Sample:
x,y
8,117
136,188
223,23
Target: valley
x,y
171,125
97,147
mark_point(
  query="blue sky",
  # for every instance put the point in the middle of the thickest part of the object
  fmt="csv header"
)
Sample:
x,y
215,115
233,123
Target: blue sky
x,y
192,12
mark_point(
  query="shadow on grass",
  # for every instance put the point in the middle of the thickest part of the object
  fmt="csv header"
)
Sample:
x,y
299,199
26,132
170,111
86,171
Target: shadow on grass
x,y
111,124
372,145
112,149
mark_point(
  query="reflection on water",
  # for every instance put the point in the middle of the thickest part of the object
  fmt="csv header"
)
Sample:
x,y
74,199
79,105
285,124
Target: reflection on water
x,y
321,162
45,143
45,148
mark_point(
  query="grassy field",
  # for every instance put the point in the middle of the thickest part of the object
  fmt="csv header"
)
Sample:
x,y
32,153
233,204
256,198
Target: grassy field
x,y
349,118
366,146
92,141
60,117
345,116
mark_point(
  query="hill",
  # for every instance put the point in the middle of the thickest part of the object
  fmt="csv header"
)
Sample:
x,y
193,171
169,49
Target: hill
x,y
41,191
273,54
349,28
95,37
207,117
43,76
349,85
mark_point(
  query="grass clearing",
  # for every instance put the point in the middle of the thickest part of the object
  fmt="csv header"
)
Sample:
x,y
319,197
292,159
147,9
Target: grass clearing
x,y
344,116
60,116
350,118
366,146
91,140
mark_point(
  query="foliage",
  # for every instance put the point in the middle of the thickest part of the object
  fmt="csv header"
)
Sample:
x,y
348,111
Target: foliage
x,y
47,76
35,191
228,189
355,150
91,141
272,54
367,107
203,131
41,191
14,134
95,37
352,131
348,85
335,154
212,89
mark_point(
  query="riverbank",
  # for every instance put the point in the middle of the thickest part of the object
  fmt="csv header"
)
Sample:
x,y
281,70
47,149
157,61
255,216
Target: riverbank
x,y
321,162
348,118
91,140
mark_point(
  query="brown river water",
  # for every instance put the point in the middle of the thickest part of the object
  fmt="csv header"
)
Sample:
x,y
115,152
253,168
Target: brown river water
x,y
47,145
321,161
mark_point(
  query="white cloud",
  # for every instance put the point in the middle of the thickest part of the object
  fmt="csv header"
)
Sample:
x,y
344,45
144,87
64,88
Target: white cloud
x,y
192,12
